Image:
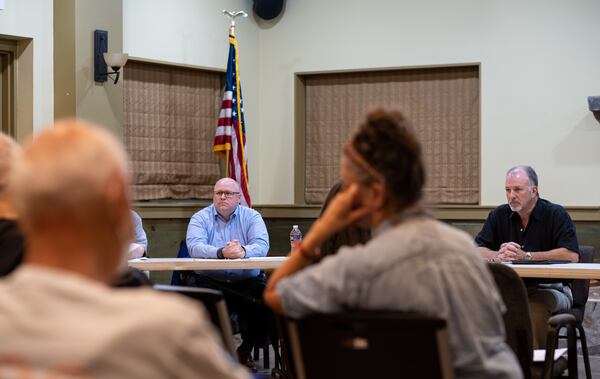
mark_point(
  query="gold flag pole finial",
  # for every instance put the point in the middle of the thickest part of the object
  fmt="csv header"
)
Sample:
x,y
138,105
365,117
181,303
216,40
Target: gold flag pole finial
x,y
232,16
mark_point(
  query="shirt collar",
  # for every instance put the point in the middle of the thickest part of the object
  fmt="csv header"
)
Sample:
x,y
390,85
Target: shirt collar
x,y
414,211
535,213
233,215
382,228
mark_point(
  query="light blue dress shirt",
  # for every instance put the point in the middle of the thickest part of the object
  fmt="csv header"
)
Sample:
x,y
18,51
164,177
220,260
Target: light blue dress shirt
x,y
208,231
140,235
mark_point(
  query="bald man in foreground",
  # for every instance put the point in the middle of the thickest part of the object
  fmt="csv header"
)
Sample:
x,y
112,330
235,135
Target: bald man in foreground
x,y
58,316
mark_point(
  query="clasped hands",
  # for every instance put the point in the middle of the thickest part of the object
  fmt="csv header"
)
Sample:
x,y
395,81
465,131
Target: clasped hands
x,y
233,250
509,251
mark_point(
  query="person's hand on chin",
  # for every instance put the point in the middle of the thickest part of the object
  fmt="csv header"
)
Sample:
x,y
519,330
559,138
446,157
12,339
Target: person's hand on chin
x,y
347,208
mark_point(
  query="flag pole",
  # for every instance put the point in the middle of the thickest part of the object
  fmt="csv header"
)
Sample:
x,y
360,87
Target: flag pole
x,y
232,16
227,163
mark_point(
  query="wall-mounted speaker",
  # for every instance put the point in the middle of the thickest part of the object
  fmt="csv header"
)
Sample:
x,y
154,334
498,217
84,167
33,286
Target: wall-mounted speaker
x,y
268,9
594,105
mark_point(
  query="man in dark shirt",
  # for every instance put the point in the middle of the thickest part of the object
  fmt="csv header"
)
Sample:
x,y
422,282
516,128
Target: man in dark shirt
x,y
531,228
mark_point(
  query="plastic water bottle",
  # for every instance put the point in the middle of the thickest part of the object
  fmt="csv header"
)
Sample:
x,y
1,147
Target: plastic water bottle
x,y
295,236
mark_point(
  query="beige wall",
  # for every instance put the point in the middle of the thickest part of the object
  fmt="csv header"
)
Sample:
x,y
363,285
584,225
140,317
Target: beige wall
x,y
537,68
538,64
33,19
76,93
65,99
98,102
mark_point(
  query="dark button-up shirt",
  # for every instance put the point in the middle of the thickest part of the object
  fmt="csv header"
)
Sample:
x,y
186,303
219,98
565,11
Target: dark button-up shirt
x,y
549,227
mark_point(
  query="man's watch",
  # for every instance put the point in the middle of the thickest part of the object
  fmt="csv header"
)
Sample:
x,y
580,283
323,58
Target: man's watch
x,y
528,255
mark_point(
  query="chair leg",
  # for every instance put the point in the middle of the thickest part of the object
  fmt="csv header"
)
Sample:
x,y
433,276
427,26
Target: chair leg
x,y
572,351
265,351
277,354
584,351
266,358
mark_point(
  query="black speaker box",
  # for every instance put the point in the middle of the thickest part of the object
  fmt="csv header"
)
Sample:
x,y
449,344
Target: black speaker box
x,y
594,103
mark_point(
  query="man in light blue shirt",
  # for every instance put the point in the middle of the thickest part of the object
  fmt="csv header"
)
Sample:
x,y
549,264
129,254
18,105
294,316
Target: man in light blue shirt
x,y
228,230
139,246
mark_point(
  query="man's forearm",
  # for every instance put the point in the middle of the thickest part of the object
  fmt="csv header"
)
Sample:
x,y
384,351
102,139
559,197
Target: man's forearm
x,y
558,254
319,232
296,262
486,253
256,250
201,250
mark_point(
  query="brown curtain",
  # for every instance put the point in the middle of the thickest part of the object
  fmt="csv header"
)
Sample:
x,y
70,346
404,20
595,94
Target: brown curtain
x,y
169,119
443,104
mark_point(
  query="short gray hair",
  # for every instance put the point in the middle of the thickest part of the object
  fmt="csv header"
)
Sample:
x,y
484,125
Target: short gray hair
x,y
531,174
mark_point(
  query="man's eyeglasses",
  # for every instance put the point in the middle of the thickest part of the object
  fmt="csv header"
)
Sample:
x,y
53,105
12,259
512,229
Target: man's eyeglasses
x,y
228,195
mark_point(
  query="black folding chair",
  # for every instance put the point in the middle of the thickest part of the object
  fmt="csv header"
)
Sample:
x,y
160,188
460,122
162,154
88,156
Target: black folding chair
x,y
581,291
214,303
132,277
178,278
366,344
517,323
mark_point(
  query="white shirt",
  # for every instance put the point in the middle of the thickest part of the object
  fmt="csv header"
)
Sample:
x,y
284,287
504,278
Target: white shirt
x,y
61,325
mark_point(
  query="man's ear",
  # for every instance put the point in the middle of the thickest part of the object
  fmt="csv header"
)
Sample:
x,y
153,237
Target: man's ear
x,y
378,195
117,201
534,190
115,189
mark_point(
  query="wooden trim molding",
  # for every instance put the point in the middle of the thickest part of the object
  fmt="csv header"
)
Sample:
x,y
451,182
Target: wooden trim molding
x,y
185,209
174,64
168,209
299,139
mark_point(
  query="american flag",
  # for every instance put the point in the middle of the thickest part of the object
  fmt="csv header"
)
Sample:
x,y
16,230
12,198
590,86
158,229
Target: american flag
x,y
230,138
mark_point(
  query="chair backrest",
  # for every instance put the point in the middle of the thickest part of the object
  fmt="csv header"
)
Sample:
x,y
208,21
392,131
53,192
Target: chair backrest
x,y
517,319
177,276
581,287
369,344
132,277
214,302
